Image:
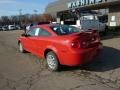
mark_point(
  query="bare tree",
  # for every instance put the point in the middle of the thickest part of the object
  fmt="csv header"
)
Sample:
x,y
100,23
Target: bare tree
x,y
25,19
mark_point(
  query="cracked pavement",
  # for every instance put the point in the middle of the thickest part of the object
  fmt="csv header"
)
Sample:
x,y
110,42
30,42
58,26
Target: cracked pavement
x,y
27,72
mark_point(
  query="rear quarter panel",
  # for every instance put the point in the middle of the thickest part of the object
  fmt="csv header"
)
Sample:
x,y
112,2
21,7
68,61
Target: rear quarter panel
x,y
57,44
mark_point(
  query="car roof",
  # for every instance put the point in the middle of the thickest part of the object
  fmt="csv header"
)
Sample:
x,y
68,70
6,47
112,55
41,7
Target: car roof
x,y
48,25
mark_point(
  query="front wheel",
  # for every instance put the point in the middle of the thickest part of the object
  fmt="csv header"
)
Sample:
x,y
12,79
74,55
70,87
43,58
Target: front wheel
x,y
52,61
21,49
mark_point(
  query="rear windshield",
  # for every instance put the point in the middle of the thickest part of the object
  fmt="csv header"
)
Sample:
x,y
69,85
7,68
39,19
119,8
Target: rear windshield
x,y
64,29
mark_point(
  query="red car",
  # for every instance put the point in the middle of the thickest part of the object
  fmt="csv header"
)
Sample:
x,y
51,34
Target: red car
x,y
61,44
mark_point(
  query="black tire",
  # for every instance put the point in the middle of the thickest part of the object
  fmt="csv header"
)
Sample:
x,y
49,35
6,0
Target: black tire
x,y
52,61
21,48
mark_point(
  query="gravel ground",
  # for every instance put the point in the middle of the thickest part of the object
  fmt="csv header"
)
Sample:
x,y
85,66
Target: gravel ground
x,y
27,72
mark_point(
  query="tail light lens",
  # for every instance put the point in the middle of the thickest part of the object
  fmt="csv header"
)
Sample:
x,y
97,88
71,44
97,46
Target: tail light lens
x,y
84,44
79,44
75,44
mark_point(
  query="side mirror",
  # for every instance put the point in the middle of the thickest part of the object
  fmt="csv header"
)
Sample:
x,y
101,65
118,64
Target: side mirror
x,y
25,35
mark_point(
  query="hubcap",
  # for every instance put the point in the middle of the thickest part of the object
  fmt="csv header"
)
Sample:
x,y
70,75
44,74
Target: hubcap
x,y
51,61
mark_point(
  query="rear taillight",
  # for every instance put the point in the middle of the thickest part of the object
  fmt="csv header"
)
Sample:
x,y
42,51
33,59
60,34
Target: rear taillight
x,y
75,44
79,44
84,43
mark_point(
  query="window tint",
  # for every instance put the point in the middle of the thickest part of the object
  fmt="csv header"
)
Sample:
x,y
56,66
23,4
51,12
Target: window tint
x,y
43,32
64,29
33,32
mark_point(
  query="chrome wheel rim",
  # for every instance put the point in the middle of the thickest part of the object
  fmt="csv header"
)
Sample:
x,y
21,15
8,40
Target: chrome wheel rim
x,y
20,47
52,63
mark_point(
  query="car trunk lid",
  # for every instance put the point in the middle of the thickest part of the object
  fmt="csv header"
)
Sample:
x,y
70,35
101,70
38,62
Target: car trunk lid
x,y
87,39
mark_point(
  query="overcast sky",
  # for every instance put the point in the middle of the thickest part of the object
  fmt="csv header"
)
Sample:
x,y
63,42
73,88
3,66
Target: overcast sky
x,y
12,7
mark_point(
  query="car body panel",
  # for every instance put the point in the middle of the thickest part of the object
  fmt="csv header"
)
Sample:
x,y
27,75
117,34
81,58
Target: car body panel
x,y
61,46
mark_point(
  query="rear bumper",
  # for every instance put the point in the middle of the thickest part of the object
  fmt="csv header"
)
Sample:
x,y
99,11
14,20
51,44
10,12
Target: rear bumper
x,y
81,57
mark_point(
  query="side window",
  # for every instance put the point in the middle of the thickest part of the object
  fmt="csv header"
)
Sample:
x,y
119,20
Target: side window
x,y
33,32
43,32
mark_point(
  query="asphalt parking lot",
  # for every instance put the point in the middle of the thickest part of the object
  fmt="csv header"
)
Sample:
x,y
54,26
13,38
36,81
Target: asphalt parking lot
x,y
27,72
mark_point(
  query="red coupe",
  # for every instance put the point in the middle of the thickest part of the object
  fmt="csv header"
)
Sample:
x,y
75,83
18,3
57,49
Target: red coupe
x,y
61,44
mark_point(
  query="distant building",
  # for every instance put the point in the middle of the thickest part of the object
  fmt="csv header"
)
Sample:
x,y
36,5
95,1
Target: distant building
x,y
108,9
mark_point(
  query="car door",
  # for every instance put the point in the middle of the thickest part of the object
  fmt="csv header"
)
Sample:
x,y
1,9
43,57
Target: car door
x,y
42,41
29,41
